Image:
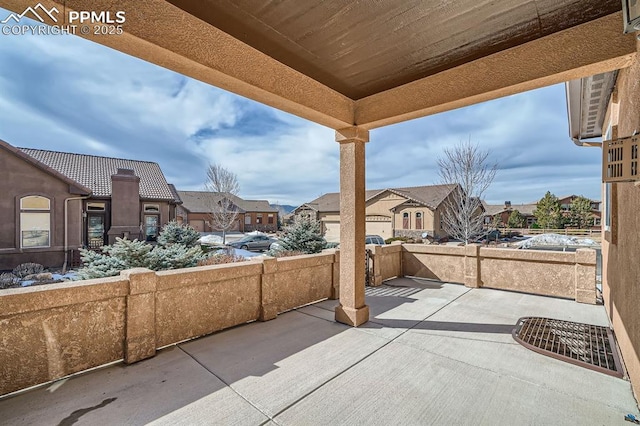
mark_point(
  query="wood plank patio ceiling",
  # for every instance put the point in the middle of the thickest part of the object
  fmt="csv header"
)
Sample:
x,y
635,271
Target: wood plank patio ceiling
x,y
360,48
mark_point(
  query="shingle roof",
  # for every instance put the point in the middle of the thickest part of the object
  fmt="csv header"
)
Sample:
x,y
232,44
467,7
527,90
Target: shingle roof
x,y
95,172
198,202
525,209
430,196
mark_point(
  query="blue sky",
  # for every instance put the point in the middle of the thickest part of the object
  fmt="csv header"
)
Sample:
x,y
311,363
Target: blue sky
x,y
68,94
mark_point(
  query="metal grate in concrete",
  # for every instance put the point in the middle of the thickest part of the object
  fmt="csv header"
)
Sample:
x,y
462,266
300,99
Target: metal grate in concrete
x,y
587,345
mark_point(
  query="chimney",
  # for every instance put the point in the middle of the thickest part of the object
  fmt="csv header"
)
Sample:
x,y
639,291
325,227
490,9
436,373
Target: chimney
x,y
125,205
507,204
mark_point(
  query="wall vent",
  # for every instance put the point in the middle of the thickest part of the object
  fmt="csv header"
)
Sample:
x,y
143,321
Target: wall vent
x,y
620,160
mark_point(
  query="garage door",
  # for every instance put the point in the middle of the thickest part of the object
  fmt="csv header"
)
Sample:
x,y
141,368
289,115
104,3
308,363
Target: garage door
x,y
198,225
332,231
379,228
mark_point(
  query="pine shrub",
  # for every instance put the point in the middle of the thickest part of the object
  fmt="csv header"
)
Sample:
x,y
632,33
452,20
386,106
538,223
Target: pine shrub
x,y
304,236
175,233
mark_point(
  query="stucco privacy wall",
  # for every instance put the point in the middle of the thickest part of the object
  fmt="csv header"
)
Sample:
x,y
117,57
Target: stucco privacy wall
x,y
568,275
445,263
48,332
52,331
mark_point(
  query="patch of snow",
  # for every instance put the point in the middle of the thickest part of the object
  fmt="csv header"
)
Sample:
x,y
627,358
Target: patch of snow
x,y
210,240
256,233
556,240
240,252
246,253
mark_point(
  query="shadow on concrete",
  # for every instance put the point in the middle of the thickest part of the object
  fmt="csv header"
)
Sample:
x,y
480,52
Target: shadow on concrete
x,y
467,327
255,350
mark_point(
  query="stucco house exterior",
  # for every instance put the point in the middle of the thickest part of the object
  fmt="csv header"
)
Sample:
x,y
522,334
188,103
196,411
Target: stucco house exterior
x,y
253,215
390,212
54,202
604,107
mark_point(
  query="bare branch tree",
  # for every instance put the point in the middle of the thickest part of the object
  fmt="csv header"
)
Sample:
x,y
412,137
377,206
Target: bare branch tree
x,y
222,186
466,166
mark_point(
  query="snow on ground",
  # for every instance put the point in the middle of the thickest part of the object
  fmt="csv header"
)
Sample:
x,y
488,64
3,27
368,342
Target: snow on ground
x,y
210,240
246,253
556,240
240,252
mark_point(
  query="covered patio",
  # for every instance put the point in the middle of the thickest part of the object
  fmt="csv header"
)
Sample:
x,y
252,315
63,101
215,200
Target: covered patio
x,y
355,67
432,353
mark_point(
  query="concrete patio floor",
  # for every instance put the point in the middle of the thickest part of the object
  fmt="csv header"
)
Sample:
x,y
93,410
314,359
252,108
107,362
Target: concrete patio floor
x,y
433,353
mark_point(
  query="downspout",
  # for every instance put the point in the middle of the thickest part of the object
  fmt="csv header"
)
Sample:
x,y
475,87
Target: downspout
x,y
578,142
66,229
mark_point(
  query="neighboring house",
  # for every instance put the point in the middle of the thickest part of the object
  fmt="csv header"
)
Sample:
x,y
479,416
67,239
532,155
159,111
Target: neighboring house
x,y
253,215
567,201
503,211
390,212
53,202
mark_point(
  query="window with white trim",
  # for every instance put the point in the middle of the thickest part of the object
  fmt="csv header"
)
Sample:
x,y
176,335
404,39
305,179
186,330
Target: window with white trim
x,y
35,222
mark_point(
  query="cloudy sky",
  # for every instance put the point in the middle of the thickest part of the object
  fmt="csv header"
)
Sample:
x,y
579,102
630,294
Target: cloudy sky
x,y
68,94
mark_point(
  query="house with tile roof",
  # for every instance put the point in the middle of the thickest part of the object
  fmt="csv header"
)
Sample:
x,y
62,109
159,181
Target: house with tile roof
x,y
55,202
253,215
390,212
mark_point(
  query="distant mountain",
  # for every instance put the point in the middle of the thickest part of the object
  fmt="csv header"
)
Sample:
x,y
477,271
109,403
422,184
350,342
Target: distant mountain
x,y
287,208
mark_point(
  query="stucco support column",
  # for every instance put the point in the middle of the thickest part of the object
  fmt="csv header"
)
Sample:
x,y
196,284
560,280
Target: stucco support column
x,y
377,265
140,339
335,276
268,307
586,276
352,309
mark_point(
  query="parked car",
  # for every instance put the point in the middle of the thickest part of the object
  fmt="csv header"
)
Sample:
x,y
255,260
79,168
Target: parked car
x,y
253,242
493,235
374,239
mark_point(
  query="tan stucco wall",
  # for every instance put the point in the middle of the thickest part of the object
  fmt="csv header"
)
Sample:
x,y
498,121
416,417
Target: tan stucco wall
x,y
444,263
387,262
52,331
568,275
383,203
18,179
621,247
314,273
329,217
537,272
197,301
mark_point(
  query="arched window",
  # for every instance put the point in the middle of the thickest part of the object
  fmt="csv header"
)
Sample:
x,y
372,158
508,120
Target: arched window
x,y
405,220
35,222
419,220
